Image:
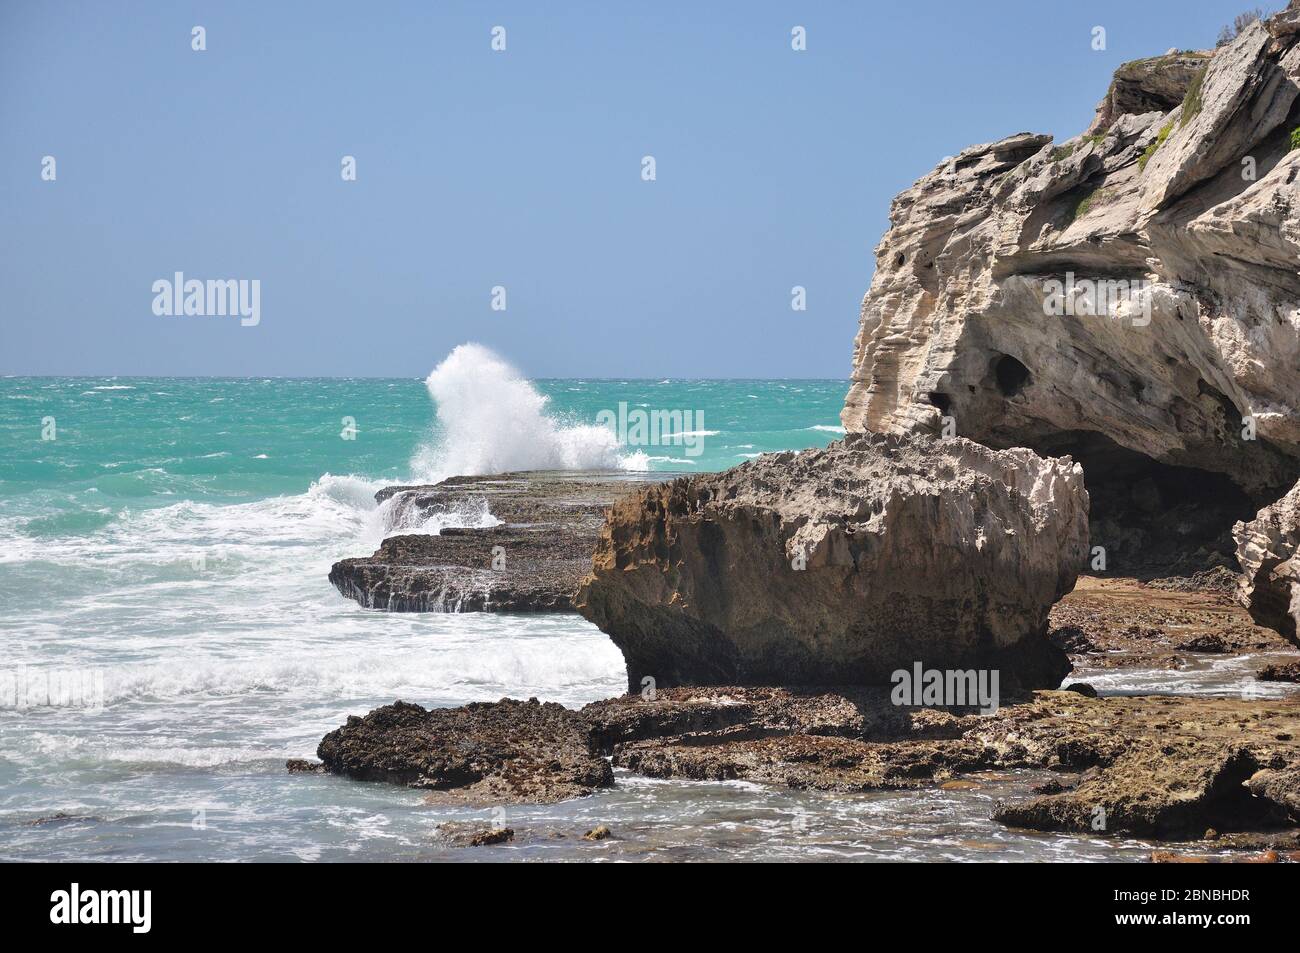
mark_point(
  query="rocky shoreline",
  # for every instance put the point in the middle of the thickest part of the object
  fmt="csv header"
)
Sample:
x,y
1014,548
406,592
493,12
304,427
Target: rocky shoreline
x,y
1155,767
1000,442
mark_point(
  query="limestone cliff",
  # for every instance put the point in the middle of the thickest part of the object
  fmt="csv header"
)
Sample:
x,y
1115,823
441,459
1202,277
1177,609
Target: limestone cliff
x,y
1183,195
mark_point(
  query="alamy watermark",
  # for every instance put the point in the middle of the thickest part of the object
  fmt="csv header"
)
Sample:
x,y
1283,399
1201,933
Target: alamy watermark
x,y
214,297
945,687
28,688
1123,299
129,907
656,428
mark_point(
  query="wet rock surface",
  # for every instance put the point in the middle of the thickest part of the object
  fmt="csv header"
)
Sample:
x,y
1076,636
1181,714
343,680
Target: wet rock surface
x,y
1280,672
1160,767
502,752
531,561
1124,623
454,571
843,565
1157,766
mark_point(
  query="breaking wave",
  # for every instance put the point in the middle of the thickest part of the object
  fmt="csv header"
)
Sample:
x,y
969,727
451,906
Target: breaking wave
x,y
493,420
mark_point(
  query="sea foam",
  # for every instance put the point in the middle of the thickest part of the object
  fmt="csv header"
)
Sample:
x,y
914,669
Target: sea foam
x,y
493,420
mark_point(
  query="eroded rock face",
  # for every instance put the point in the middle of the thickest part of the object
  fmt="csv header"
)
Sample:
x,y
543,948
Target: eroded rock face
x,y
1268,549
1154,84
962,318
503,752
843,565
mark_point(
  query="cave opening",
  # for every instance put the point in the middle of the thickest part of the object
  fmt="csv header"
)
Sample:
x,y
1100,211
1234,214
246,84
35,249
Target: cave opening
x,y
1153,519
1012,376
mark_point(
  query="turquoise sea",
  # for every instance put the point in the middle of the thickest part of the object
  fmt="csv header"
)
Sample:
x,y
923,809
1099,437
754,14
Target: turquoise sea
x,y
169,638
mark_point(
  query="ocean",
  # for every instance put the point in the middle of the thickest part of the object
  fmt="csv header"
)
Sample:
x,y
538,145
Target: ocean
x,y
170,638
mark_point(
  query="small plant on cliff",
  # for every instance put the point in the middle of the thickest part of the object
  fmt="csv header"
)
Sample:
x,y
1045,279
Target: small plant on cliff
x,y
1086,204
1155,144
1192,101
1239,23
1295,139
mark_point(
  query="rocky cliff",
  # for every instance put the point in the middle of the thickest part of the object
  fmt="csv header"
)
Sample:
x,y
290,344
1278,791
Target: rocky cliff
x,y
1129,296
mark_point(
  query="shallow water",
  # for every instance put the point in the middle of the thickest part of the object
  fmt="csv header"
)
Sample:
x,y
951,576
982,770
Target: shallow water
x,y
167,555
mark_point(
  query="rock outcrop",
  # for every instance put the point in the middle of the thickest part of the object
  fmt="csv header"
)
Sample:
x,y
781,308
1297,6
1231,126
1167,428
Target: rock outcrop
x,y
1158,767
503,752
1130,297
527,547
843,565
1161,767
1268,549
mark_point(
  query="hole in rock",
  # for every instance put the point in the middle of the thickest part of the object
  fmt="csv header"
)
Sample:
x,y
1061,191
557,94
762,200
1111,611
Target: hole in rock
x,y
1153,519
1011,375
898,262
942,401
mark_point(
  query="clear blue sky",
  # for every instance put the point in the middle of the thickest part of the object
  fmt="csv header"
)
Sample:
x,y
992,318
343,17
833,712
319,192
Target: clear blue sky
x,y
520,169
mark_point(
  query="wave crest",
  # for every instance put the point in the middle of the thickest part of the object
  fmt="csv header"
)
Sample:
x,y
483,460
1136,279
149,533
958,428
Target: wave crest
x,y
493,420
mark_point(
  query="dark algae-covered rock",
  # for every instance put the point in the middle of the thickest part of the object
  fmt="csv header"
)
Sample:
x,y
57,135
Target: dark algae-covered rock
x,y
501,752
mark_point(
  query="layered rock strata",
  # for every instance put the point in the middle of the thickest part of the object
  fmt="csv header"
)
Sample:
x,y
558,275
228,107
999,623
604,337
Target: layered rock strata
x,y
528,545
1130,296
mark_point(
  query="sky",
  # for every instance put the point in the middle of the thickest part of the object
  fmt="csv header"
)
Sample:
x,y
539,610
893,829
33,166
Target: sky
x,y
520,169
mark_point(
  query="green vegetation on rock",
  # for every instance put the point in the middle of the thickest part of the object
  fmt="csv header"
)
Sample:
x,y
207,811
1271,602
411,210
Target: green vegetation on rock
x,y
1090,201
1192,101
1155,144
1065,151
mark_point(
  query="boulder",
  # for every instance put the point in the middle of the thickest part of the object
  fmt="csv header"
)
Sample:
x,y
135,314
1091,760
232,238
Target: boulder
x,y
1278,786
1172,791
504,752
1154,84
844,565
1268,549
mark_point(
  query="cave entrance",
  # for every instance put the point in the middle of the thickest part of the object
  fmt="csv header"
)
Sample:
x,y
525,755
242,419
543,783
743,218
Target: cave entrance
x,y
1153,519
1012,376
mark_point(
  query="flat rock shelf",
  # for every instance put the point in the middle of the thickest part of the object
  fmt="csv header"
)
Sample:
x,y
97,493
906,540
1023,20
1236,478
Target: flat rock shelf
x,y
523,544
